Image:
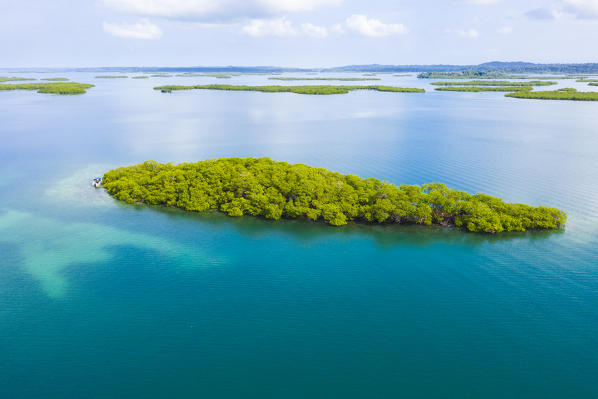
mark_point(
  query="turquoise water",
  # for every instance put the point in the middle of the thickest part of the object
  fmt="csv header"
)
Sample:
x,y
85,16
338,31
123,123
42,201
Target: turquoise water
x,y
102,299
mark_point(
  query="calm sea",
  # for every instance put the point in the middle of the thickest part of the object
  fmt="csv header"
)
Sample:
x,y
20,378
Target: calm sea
x,y
100,299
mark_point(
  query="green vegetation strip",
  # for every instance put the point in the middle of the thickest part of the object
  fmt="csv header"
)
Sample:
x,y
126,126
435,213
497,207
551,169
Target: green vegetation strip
x,y
140,77
291,89
552,77
339,79
208,75
562,94
496,83
274,190
57,79
13,79
484,88
112,77
467,75
63,88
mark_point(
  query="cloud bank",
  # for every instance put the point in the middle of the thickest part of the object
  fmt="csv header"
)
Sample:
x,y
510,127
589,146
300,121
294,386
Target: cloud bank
x,y
583,9
364,25
269,27
203,10
580,9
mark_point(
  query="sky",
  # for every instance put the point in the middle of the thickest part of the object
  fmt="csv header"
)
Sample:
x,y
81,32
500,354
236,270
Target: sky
x,y
294,33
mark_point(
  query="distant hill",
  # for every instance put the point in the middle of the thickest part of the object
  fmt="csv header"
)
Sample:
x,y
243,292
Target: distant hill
x,y
399,68
494,66
529,67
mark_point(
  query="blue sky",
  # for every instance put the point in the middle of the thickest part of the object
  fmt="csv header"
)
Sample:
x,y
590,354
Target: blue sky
x,y
303,33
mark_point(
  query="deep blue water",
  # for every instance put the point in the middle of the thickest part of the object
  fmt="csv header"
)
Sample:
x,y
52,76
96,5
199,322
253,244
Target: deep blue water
x,y
101,299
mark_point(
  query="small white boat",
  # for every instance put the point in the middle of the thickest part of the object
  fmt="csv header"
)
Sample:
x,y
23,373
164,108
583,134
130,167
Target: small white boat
x,y
96,182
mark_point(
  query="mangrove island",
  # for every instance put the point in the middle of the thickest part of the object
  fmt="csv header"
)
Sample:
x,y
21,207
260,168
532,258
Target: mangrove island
x,y
13,79
337,79
484,88
561,94
63,88
496,83
273,190
467,75
291,89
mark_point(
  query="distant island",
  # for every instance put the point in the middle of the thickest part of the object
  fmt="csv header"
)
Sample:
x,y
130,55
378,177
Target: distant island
x,y
475,89
521,89
490,85
62,88
273,190
469,74
561,94
14,79
496,83
321,89
337,79
209,75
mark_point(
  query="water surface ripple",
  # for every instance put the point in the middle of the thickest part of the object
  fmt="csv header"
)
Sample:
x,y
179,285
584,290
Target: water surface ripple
x,y
102,299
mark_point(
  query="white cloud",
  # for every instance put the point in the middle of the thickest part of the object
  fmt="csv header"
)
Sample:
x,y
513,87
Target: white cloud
x,y
269,27
215,9
338,28
372,27
582,8
141,30
541,13
297,5
505,30
466,33
314,30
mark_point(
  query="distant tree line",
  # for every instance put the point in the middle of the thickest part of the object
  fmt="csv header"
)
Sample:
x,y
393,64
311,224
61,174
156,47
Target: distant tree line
x,y
320,89
63,88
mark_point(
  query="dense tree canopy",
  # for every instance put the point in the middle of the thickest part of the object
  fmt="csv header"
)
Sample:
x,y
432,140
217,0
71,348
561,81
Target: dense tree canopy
x,y
274,190
325,78
13,79
467,75
561,94
63,88
209,75
321,89
484,88
496,83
